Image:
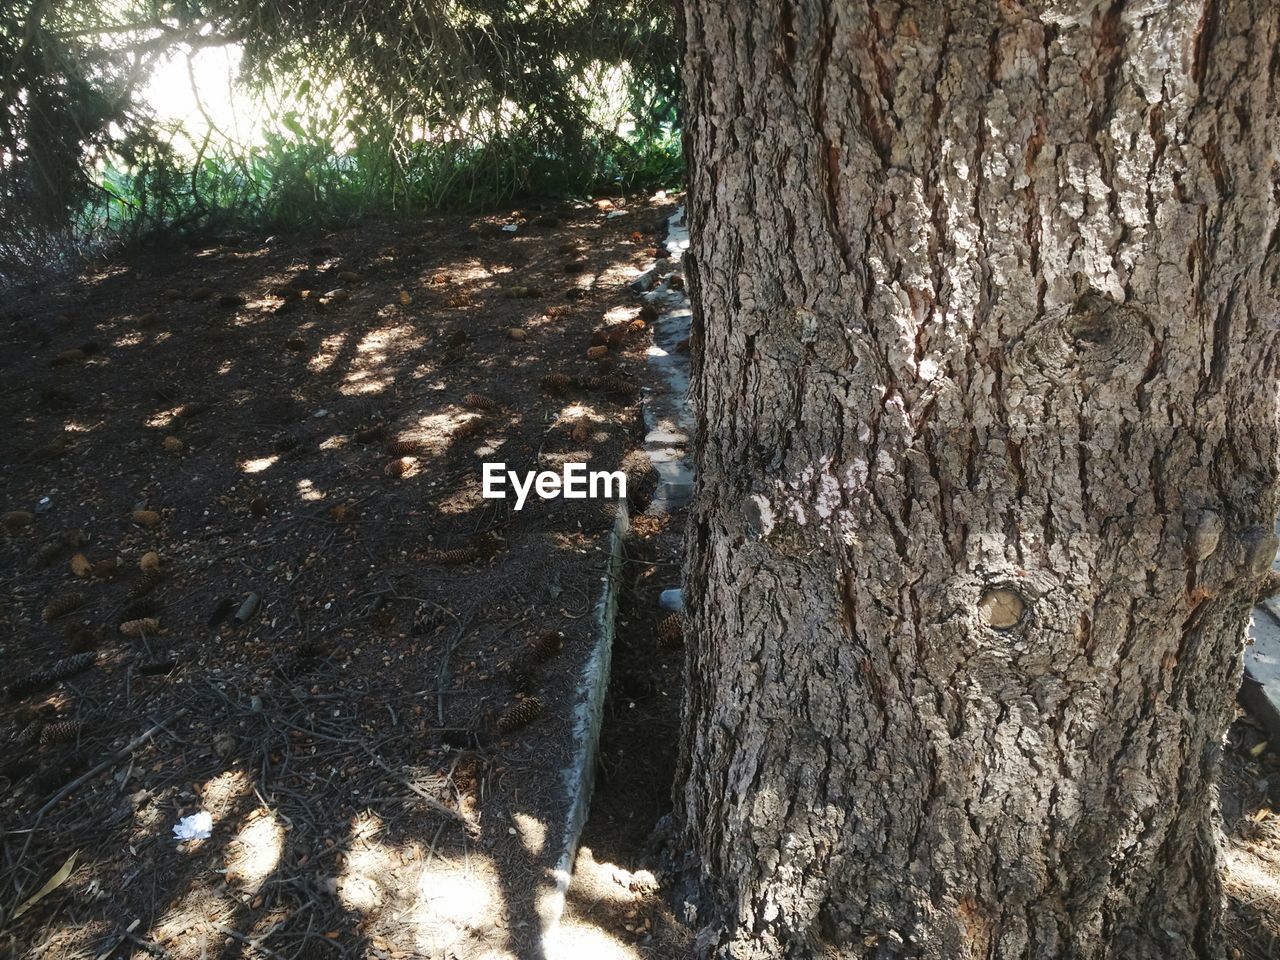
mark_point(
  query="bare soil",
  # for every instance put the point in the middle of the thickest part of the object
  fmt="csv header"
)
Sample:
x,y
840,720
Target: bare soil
x,y
357,665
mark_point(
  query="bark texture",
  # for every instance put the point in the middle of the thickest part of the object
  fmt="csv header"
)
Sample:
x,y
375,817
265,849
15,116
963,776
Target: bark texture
x,y
985,374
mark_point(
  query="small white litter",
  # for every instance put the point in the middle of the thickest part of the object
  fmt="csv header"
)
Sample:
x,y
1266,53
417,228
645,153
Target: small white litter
x,y
198,826
510,227
614,214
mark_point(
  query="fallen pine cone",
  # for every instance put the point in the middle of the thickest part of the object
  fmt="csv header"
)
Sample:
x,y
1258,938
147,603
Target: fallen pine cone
x,y
546,644
452,558
399,468
70,666
138,610
47,554
61,606
477,401
62,732
400,448
28,735
144,585
16,520
106,569
137,628
596,352
221,610
671,630
470,428
349,276
80,638
649,312
80,565
172,444
48,676
521,713
557,383
370,434
150,562
618,386
145,518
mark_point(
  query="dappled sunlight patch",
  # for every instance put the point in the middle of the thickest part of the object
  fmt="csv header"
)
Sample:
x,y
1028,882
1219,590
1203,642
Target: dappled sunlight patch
x,y
328,353
369,865
194,926
378,342
531,831
307,491
572,940
255,851
259,464
462,499
163,419
363,383
218,794
1256,877
459,897
130,339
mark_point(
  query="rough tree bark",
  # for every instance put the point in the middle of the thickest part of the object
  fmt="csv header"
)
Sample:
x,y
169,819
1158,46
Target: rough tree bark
x,y
985,373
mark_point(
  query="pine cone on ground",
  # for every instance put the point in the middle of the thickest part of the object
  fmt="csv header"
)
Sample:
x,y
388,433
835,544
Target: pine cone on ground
x,y
29,683
62,732
557,384
70,666
521,713
144,585
399,468
452,558
617,386
140,627
478,401
470,428
29,735
402,448
47,555
61,606
546,644
671,630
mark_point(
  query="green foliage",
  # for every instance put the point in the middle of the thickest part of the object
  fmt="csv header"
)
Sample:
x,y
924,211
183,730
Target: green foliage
x,y
390,108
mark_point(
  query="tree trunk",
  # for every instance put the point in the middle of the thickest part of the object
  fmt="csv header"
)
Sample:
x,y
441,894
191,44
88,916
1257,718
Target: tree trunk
x,y
985,377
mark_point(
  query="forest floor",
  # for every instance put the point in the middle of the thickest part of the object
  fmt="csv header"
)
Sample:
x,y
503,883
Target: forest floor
x,y
264,544
302,420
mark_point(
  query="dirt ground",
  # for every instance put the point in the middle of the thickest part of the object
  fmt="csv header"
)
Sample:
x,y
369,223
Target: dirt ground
x,y
357,665
288,433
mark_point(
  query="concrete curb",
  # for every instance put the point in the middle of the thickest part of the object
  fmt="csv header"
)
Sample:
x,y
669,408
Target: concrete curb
x,y
588,713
